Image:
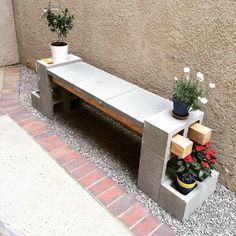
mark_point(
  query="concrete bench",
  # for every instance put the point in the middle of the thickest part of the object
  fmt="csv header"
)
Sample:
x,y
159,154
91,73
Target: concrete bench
x,y
146,113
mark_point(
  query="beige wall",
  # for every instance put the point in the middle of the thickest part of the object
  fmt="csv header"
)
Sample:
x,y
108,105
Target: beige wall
x,y
148,43
8,43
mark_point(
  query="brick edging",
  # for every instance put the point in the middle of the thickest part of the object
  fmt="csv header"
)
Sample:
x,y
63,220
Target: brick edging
x,y
120,204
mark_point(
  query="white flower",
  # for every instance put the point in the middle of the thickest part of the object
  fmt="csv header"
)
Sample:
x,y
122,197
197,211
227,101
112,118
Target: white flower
x,y
176,79
200,76
199,98
211,85
187,77
203,100
45,10
186,69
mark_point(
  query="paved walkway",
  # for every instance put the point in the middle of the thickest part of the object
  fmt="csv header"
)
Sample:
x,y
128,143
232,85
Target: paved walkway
x,y
38,197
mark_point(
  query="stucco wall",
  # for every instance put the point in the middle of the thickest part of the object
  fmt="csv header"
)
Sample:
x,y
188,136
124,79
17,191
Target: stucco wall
x,y
148,43
8,43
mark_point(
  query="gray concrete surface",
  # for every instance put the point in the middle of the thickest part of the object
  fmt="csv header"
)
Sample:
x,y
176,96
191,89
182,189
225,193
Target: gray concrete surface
x,y
38,197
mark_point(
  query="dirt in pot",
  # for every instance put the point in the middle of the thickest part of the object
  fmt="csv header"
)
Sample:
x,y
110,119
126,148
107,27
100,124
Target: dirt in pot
x,y
58,44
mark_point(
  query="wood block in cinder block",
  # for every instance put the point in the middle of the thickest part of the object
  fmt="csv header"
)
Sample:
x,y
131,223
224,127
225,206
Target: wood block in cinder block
x,y
199,133
181,146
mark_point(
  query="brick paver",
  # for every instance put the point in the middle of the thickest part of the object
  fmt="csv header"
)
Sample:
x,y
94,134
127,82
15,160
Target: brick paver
x,y
124,207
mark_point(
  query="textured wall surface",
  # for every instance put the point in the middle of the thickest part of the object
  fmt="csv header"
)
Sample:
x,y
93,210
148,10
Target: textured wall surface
x,y
8,43
148,43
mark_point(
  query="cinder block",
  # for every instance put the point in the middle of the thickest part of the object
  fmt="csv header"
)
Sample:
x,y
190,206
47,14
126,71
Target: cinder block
x,y
151,173
35,100
160,128
182,206
199,133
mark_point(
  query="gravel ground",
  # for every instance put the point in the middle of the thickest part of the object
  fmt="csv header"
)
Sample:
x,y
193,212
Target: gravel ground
x,y
115,150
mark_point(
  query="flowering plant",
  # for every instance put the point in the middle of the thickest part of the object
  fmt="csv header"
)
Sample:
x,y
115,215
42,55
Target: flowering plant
x,y
200,163
206,157
191,92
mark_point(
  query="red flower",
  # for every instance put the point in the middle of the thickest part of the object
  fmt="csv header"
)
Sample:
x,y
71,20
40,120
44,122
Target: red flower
x,y
213,161
188,159
208,157
210,152
204,164
207,145
199,148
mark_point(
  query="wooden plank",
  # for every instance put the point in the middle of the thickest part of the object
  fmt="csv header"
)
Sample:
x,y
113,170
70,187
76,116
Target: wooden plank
x,y
199,133
181,146
114,115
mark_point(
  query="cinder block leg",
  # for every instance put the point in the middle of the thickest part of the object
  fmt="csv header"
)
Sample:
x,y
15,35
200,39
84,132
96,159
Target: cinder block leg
x,y
151,173
45,87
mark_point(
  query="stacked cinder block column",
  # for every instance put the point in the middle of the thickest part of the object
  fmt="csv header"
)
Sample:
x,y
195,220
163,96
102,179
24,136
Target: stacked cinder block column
x,y
159,131
43,99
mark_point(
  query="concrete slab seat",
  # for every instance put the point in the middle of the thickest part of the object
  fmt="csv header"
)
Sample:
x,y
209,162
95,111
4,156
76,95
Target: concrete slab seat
x,y
123,101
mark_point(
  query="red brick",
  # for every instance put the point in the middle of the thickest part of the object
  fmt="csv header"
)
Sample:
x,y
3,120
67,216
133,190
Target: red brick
x,y
8,104
163,230
48,140
12,110
33,126
134,214
37,131
53,145
92,178
146,226
110,195
84,170
121,205
21,115
101,186
75,163
61,151
8,99
42,136
27,121
68,157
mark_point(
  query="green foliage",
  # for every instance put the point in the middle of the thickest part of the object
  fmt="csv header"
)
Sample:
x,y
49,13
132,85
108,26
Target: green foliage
x,y
188,92
59,22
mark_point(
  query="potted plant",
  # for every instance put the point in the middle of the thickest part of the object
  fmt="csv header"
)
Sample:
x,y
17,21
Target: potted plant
x,y
188,94
187,174
59,21
206,157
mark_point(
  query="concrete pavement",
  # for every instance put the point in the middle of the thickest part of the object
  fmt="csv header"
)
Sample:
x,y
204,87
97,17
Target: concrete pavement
x,y
37,197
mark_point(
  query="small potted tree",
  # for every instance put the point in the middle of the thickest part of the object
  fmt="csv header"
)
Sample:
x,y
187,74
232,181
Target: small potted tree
x,y
59,21
189,94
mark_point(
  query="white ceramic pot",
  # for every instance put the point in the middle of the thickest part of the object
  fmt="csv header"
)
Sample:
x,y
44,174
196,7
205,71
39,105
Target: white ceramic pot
x,y
59,53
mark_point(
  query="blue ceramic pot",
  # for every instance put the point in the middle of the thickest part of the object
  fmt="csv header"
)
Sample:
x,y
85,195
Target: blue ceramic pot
x,y
180,108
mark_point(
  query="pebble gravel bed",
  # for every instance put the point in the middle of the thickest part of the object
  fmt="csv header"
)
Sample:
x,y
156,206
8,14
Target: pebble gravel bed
x,y
115,150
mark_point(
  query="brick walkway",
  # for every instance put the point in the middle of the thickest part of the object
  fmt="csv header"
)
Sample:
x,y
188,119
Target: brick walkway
x,y
121,205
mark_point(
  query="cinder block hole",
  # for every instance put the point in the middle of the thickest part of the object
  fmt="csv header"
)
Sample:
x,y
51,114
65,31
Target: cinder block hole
x,y
58,108
171,167
75,104
181,132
